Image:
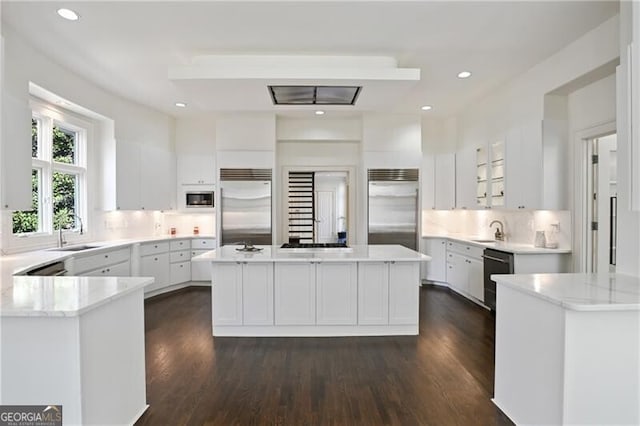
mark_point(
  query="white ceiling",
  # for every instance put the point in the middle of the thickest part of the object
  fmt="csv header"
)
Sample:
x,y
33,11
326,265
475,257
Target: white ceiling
x,y
129,47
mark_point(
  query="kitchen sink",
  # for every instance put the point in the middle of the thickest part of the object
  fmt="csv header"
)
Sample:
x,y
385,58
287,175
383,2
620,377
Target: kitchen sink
x,y
80,247
484,241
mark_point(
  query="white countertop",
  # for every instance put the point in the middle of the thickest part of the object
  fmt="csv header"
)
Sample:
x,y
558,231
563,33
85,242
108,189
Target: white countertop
x,y
356,253
19,263
32,296
579,292
507,246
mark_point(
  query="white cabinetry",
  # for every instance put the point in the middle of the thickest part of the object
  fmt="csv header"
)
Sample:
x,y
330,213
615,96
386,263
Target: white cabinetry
x,y
112,263
226,294
466,178
196,169
295,293
445,181
435,269
154,262
336,293
373,293
310,293
523,166
388,293
180,261
428,178
465,269
242,293
15,153
257,294
144,178
404,292
201,271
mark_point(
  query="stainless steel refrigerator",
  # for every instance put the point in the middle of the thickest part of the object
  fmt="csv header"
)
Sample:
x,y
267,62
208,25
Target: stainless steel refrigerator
x,y
245,215
393,207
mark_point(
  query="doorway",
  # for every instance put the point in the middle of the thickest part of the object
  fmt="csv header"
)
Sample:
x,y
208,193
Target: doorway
x,y
601,206
317,206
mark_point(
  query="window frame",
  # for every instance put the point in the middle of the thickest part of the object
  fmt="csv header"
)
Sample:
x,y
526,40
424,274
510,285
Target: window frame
x,y
48,117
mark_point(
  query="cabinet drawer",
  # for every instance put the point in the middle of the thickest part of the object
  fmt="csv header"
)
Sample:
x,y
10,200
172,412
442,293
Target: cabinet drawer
x,y
180,272
88,263
465,249
180,245
153,248
203,243
122,269
180,256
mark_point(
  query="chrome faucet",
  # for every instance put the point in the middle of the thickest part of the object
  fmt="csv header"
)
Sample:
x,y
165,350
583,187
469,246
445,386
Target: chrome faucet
x,y
61,241
499,235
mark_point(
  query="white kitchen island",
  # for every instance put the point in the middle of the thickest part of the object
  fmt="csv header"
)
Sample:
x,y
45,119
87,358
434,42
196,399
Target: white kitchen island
x,y
568,349
76,342
359,291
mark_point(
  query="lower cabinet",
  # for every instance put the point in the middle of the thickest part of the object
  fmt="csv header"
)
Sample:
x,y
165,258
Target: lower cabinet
x,y
436,268
336,293
465,269
388,293
200,271
295,293
242,293
122,269
154,262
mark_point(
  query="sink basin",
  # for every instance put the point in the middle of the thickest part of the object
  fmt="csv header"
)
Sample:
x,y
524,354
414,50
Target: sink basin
x,y
484,241
80,247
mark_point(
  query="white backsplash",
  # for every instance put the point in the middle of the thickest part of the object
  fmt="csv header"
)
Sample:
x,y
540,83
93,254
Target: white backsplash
x,y
519,226
134,224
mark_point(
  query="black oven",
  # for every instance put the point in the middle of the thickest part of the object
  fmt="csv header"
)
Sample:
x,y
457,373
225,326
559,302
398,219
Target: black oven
x,y
495,262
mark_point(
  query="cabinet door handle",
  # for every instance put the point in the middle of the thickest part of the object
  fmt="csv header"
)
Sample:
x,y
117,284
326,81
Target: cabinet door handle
x,y
495,259
181,266
155,258
106,256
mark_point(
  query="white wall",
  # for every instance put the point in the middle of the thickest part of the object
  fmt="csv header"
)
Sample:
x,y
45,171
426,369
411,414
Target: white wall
x,y
521,102
122,121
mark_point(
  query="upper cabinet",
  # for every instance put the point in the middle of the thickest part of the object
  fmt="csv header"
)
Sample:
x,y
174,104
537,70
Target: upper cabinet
x,y
445,181
488,169
144,178
15,154
465,178
196,169
523,166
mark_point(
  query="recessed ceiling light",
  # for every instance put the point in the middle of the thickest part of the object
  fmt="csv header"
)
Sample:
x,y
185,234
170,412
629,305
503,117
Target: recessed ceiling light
x,y
68,14
426,107
319,112
181,104
464,74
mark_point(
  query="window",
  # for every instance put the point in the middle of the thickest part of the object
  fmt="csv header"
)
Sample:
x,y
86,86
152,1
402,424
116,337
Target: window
x,y
58,175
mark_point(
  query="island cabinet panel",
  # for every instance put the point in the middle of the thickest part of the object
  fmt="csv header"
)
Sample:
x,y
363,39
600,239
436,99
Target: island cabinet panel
x,y
337,293
295,293
404,296
257,294
373,293
226,292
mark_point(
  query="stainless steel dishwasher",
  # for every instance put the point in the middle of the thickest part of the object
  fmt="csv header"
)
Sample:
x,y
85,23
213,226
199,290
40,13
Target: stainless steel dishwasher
x,y
495,262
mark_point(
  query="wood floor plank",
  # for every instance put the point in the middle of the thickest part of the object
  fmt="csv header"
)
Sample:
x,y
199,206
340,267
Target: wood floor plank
x,y
444,376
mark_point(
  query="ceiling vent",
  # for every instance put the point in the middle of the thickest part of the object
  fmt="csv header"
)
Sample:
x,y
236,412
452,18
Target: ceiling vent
x,y
314,95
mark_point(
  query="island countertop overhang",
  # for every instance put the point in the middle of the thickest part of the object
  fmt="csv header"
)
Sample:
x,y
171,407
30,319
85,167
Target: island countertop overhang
x,y
356,253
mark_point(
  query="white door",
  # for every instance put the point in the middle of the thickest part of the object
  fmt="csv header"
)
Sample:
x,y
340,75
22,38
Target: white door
x,y
336,293
226,294
325,217
404,292
257,293
373,293
295,293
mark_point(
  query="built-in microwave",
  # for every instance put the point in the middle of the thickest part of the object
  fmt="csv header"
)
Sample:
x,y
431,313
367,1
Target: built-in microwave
x,y
199,199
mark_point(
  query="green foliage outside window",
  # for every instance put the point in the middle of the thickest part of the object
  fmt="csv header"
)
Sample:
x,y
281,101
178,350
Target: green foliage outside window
x,y
64,185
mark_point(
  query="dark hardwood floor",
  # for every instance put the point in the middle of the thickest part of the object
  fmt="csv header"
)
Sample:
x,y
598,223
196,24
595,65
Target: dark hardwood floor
x,y
444,376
